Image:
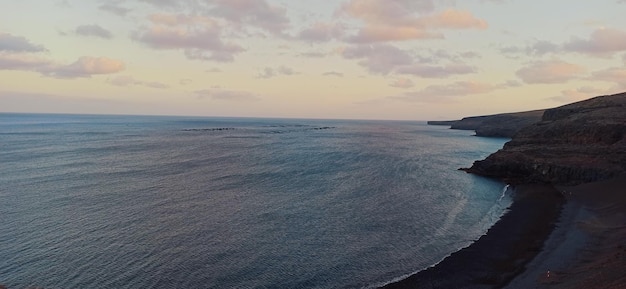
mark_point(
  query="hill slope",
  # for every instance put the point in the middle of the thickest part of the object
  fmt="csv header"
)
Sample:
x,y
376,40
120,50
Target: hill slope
x,y
572,144
497,125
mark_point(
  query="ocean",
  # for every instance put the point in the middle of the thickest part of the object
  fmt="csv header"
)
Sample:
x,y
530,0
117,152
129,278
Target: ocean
x,y
97,201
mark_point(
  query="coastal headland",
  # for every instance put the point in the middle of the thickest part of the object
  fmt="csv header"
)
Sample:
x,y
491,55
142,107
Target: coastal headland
x,y
567,225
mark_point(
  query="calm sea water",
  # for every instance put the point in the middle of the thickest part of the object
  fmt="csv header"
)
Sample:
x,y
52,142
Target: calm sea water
x,y
181,202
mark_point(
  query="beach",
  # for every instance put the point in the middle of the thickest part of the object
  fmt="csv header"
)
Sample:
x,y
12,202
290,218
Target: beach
x,y
499,255
552,237
593,254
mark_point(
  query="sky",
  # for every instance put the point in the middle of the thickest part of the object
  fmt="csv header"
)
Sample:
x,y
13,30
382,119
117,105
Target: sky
x,y
333,59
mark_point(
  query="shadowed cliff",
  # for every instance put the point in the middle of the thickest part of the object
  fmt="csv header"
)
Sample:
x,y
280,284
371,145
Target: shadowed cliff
x,y
572,144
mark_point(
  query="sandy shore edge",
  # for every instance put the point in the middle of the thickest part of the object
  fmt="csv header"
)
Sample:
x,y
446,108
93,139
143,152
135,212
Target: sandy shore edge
x,y
502,253
576,240
588,249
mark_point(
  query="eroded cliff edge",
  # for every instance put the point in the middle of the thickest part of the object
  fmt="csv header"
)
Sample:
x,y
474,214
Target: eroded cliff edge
x,y
497,125
572,144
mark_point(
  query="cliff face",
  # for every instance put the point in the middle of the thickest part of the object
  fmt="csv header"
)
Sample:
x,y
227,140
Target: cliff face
x,y
498,125
575,143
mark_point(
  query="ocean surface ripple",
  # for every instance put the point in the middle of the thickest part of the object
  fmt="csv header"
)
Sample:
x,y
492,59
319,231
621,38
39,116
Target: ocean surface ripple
x,y
184,202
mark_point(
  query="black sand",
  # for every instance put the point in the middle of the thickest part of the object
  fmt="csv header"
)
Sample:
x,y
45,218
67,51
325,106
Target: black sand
x,y
501,254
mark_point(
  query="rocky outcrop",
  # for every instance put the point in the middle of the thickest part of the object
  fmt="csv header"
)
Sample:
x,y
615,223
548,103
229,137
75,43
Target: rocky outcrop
x,y
572,144
498,125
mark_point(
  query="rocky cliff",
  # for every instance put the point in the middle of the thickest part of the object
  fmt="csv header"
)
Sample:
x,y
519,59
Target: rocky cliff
x,y
498,125
575,143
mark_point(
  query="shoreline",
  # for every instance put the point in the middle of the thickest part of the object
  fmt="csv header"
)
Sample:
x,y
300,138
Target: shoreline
x,y
501,254
601,260
576,233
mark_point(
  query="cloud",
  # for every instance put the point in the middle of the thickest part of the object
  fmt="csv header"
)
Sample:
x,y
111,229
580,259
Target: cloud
x,y
84,67
402,83
453,19
387,11
199,37
572,95
333,73
93,30
378,58
552,71
439,93
269,72
314,54
385,33
470,54
11,43
509,84
614,74
163,3
430,71
255,13
439,55
126,81
385,59
114,8
539,48
227,95
602,42
22,62
322,32
400,20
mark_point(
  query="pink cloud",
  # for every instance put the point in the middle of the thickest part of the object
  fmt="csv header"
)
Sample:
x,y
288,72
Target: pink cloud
x,y
227,95
604,41
199,37
384,33
430,71
386,59
380,58
441,93
256,13
572,95
126,81
387,11
400,20
453,19
458,88
322,32
402,83
552,71
85,67
22,62
12,43
614,74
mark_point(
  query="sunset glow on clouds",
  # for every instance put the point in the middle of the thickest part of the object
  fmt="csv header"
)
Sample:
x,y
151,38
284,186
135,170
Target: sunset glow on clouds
x,y
372,59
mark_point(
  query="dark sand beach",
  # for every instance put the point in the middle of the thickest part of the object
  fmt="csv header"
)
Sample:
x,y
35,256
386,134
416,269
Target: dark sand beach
x,y
563,237
500,255
601,261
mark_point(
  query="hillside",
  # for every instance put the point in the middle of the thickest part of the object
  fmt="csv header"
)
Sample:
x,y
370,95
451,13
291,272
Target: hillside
x,y
575,143
498,125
